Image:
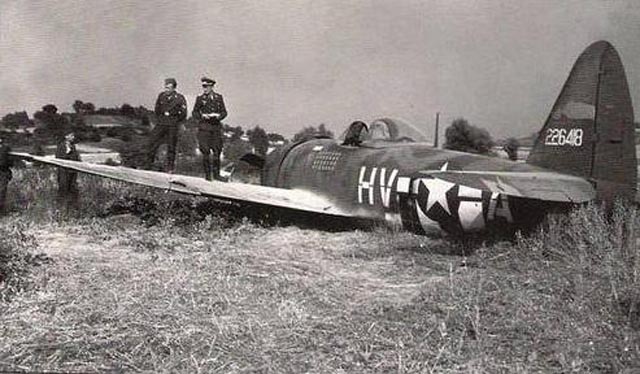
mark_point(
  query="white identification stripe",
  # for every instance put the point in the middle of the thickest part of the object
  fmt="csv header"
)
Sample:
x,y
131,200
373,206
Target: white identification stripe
x,y
403,185
469,192
372,180
499,185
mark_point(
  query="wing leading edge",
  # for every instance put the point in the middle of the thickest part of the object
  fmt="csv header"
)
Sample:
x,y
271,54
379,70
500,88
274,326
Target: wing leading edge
x,y
548,186
237,192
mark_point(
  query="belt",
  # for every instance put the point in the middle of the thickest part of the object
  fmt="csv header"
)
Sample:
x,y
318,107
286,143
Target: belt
x,y
214,122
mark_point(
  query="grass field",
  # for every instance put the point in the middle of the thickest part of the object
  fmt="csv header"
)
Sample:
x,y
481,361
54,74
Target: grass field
x,y
121,285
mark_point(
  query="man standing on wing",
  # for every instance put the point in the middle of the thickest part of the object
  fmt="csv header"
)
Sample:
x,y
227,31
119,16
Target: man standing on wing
x,y
171,110
209,111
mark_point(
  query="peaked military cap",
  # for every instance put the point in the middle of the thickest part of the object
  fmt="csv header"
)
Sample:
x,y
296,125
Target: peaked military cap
x,y
208,81
171,80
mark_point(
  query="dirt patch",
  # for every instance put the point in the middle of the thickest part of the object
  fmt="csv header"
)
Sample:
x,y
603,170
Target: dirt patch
x,y
64,244
327,256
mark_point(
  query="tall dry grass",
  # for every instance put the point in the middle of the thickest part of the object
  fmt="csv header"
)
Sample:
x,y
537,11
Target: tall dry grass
x,y
18,255
212,293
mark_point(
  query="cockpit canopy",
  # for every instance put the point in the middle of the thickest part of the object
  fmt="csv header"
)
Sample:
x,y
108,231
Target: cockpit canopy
x,y
388,130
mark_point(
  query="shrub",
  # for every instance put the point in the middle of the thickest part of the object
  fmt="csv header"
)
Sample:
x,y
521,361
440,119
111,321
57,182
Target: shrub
x,y
311,132
462,136
133,153
111,162
259,139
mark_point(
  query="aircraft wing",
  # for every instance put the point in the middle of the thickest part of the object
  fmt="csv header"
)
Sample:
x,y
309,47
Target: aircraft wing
x,y
238,192
548,186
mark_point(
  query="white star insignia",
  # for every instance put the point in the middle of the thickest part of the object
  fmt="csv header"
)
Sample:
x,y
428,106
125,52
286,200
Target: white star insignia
x,y
437,193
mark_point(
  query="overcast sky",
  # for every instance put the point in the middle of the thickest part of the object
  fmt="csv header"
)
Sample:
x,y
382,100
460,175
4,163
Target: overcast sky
x,y
288,64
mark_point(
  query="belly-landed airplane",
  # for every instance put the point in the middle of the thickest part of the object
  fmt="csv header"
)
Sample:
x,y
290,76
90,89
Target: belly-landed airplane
x,y
388,173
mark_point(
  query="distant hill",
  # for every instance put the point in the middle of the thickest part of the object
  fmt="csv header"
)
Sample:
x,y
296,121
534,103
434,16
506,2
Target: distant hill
x,y
101,121
116,126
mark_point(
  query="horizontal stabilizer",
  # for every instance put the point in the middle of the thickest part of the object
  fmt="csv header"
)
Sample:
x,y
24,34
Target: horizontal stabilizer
x,y
237,192
548,186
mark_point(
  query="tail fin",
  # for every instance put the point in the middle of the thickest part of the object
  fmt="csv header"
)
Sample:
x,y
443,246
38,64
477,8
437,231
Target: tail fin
x,y
590,130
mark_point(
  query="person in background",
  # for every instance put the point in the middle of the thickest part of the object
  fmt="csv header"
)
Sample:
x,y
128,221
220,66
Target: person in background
x,y
68,192
511,148
5,174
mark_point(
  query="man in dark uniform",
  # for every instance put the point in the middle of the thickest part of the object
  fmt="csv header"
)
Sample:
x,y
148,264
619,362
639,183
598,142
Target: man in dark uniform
x,y
209,110
68,193
171,110
5,174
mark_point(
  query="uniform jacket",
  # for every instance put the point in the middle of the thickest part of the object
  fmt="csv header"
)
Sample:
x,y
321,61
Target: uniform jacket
x,y
67,151
208,104
173,104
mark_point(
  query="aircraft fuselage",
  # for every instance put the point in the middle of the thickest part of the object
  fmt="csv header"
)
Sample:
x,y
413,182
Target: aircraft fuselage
x,y
389,182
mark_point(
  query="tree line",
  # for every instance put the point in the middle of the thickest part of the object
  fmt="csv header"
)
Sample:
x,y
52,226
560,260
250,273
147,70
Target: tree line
x,y
50,125
49,121
460,135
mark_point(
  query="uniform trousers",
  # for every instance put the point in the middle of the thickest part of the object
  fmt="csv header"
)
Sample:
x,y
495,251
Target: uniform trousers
x,y
210,145
166,131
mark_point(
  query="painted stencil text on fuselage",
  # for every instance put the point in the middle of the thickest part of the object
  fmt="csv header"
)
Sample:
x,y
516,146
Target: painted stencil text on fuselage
x,y
381,179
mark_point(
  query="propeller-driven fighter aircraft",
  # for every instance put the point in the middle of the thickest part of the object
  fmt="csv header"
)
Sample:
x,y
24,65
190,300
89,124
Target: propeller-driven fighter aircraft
x,y
388,173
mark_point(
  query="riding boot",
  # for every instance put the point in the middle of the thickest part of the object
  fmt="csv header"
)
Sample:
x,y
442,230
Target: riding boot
x,y
207,167
216,170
